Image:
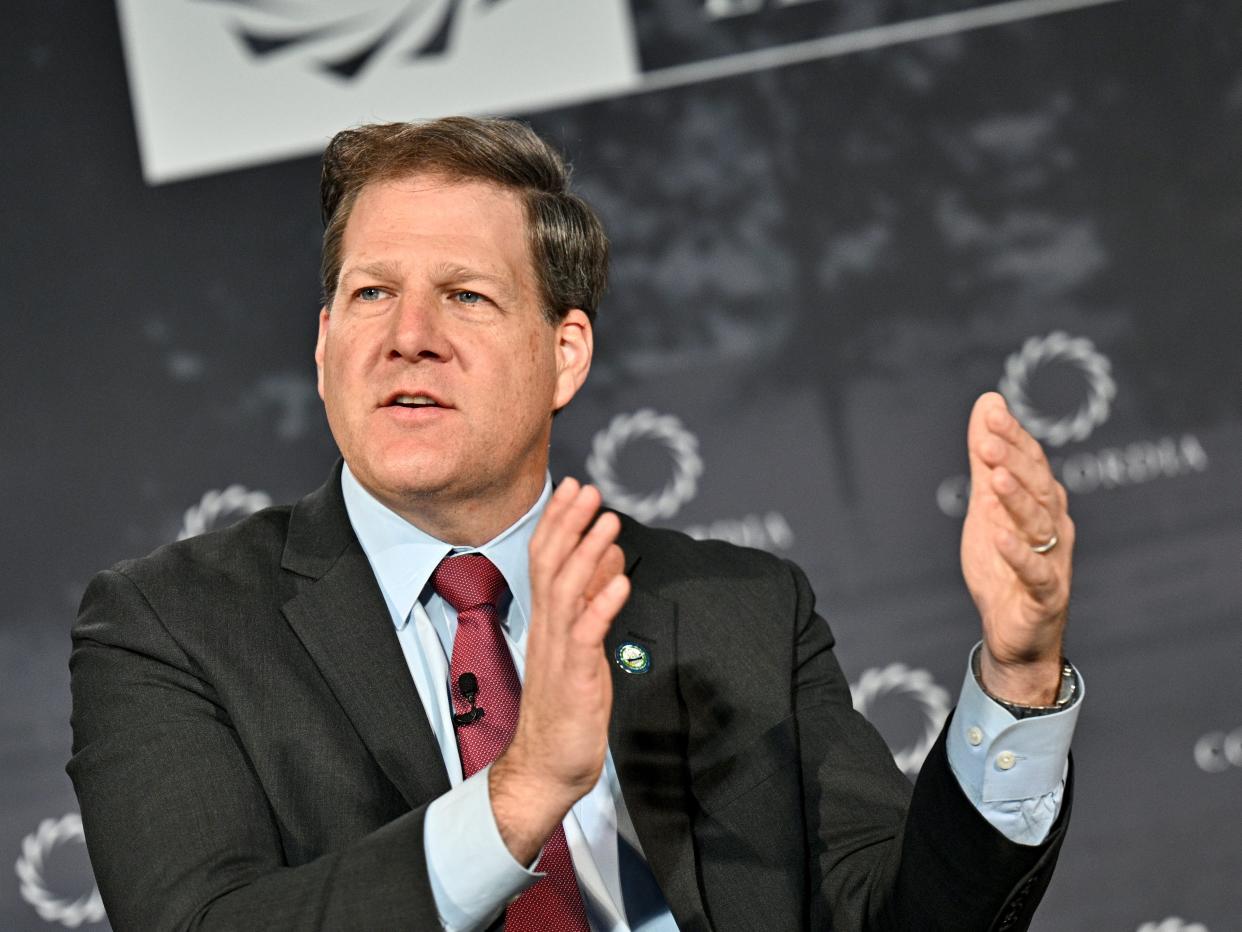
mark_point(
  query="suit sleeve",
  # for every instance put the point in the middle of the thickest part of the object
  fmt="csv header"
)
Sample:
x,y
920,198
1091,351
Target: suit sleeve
x,y
887,857
179,830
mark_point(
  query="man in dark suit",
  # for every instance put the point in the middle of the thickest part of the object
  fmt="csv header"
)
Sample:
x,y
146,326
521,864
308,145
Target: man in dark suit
x,y
435,693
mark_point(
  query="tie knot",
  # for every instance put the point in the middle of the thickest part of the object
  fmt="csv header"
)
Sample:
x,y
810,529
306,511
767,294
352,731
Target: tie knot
x,y
468,581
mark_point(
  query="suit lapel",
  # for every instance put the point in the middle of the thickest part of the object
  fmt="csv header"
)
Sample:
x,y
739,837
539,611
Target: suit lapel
x,y
342,621
647,737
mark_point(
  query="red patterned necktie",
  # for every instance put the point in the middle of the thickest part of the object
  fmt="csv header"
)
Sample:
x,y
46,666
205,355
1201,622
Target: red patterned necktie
x,y
472,585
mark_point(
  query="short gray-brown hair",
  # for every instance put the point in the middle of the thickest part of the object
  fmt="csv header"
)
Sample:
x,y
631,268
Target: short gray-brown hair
x,y
567,242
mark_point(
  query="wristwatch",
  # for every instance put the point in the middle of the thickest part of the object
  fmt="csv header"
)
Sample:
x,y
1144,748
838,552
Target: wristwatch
x,y
1069,689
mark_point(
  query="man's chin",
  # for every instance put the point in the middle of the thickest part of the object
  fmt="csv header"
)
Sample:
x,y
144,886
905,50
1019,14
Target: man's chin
x,y
397,474
404,478
415,483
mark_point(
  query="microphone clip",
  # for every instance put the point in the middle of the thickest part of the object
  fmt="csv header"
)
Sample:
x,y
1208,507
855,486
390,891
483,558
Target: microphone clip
x,y
468,686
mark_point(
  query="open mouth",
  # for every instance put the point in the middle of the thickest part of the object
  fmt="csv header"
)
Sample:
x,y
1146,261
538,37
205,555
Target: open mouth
x,y
413,401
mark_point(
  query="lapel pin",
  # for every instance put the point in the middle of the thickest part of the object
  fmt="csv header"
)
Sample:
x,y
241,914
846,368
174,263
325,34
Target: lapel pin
x,y
633,658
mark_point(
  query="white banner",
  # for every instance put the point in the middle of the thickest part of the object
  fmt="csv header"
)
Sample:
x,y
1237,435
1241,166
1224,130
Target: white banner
x,y
221,84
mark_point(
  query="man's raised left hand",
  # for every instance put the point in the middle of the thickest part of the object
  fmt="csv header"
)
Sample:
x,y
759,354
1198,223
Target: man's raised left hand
x,y
1016,509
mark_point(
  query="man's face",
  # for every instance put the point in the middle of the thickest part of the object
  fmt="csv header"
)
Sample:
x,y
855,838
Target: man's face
x,y
437,367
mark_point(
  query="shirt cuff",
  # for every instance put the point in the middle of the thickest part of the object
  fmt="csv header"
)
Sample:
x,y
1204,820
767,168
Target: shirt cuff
x,y
473,875
997,757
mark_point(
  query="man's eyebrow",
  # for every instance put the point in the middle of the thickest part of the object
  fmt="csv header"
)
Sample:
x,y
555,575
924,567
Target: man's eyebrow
x,y
452,272
446,270
388,271
500,286
385,270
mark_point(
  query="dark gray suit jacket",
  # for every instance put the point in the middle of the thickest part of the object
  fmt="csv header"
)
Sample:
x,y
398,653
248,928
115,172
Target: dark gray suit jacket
x,y
250,750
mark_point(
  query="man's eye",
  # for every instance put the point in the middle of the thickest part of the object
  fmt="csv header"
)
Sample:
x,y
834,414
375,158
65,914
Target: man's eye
x,y
370,294
469,297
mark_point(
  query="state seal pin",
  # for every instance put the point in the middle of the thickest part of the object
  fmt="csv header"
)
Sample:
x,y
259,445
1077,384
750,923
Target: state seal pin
x,y
633,658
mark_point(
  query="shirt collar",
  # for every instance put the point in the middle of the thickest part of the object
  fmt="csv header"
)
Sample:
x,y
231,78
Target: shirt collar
x,y
403,557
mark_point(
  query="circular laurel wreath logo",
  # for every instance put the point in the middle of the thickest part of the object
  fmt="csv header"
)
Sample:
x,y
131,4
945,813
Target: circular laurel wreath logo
x,y
1173,924
1078,351
919,686
51,834
663,428
235,502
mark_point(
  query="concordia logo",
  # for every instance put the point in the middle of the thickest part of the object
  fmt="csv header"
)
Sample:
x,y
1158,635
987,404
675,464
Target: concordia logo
x,y
1173,924
36,847
917,685
340,37
666,429
1217,751
1074,362
1038,352
770,531
221,507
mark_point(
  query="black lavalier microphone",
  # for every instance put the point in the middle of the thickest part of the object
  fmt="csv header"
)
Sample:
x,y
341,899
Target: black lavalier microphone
x,y
468,686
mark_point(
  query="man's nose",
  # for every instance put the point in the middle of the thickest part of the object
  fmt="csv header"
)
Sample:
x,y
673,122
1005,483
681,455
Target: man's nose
x,y
418,330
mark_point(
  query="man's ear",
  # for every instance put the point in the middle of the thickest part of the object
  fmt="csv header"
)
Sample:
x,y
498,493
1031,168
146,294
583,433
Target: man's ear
x,y
320,344
575,344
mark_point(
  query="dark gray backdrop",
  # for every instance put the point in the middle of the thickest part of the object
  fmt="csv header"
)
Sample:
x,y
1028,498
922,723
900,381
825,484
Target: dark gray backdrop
x,y
818,266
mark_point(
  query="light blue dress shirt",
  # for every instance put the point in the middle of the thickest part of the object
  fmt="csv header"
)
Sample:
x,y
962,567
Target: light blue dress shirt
x,y
1012,770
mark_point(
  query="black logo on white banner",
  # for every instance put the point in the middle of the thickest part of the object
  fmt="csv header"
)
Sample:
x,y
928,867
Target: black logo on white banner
x,y
343,38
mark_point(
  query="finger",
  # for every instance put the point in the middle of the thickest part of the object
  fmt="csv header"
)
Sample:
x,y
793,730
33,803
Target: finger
x,y
610,564
569,588
1029,461
1028,516
561,496
554,538
1002,423
977,433
592,625
1037,574
1033,473
562,532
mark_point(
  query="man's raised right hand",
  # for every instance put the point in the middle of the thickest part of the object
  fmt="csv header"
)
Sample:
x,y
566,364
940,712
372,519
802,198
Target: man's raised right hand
x,y
578,586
